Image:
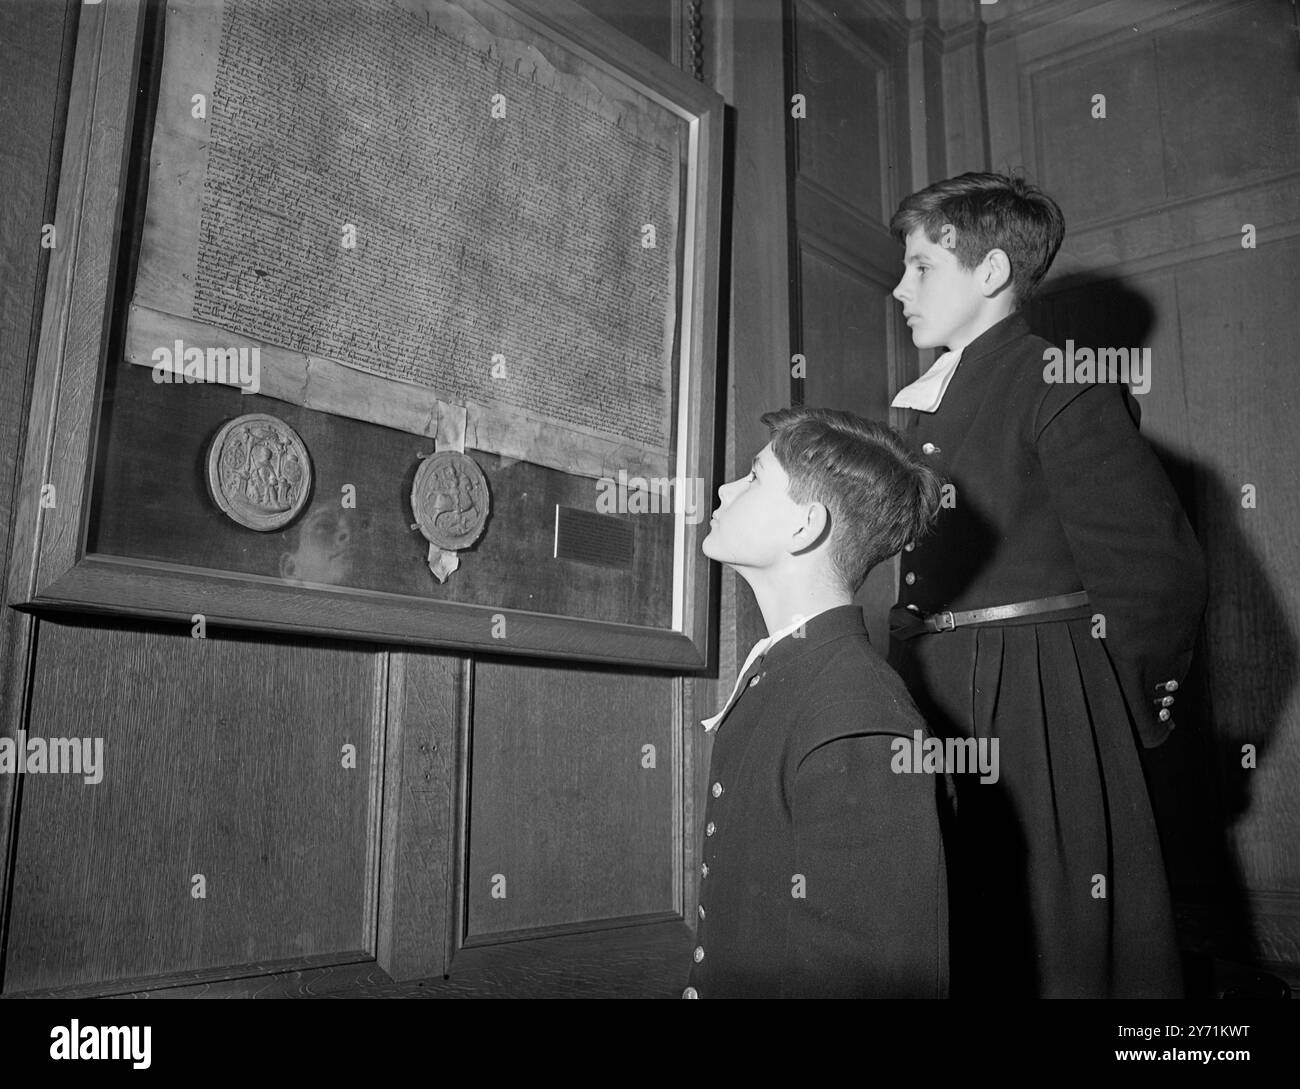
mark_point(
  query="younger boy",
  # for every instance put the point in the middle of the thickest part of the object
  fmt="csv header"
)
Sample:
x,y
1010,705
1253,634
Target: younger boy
x,y
1054,611
823,870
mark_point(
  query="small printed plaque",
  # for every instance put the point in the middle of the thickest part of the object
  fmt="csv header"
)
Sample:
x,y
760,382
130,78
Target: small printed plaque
x,y
586,537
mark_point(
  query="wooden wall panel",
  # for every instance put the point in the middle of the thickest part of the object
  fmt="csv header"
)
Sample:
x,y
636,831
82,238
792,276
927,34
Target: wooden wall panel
x,y
760,337
222,757
424,727
1255,120
651,23
1157,81
839,143
1095,167
966,139
1201,138
1239,332
36,56
845,318
561,806
851,166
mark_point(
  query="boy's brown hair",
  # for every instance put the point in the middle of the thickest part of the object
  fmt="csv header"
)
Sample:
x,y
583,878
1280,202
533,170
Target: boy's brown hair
x,y
880,496
986,212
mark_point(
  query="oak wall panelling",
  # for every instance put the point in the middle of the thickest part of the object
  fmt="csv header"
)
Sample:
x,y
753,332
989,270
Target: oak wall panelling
x,y
965,109
574,795
925,98
1199,149
221,766
659,25
315,876
36,46
74,286
426,732
851,165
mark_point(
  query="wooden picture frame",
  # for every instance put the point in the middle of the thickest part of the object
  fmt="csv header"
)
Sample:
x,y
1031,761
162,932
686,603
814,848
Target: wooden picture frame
x,y
52,567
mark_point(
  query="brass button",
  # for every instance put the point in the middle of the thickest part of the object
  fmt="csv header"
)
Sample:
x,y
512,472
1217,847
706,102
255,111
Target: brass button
x,y
710,828
908,547
1171,686
1164,714
929,448
704,869
754,679
910,578
690,992
699,953
717,790
701,911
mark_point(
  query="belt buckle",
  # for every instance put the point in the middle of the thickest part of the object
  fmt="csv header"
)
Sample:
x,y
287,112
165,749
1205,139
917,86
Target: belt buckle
x,y
942,624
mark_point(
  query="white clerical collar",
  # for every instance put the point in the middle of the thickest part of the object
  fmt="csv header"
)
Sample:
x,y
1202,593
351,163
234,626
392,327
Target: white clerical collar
x,y
760,648
926,393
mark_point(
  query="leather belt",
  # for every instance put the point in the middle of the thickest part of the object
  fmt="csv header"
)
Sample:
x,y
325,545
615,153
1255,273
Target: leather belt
x,y
1070,605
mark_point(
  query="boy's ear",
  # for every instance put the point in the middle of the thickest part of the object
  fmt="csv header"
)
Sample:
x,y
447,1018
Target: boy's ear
x,y
996,272
815,523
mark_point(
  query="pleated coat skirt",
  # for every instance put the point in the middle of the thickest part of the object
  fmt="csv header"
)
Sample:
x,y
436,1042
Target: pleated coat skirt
x,y
1057,878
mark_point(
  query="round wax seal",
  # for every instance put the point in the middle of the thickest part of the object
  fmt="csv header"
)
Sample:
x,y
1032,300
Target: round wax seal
x,y
449,499
259,472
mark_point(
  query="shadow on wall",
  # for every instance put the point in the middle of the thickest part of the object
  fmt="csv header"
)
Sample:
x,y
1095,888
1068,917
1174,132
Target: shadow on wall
x,y
1243,674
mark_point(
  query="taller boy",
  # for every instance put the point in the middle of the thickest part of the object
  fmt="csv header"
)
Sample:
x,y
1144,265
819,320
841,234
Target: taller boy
x,y
1054,609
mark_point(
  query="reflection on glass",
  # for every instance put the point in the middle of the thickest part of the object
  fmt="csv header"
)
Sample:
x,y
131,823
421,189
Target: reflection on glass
x,y
323,550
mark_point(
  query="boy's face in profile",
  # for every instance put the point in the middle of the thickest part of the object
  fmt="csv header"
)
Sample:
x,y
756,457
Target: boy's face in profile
x,y
756,516
942,301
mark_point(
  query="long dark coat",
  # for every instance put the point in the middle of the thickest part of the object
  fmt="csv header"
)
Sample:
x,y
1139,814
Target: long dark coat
x,y
1061,889
823,868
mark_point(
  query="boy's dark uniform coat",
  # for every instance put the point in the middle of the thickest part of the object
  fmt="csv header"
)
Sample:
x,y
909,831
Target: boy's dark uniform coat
x,y
1062,890
823,869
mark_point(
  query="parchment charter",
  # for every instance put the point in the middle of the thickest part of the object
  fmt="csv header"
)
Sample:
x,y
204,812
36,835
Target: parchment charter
x,y
408,207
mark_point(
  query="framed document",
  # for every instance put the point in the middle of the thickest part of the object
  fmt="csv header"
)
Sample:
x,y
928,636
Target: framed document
x,y
396,321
